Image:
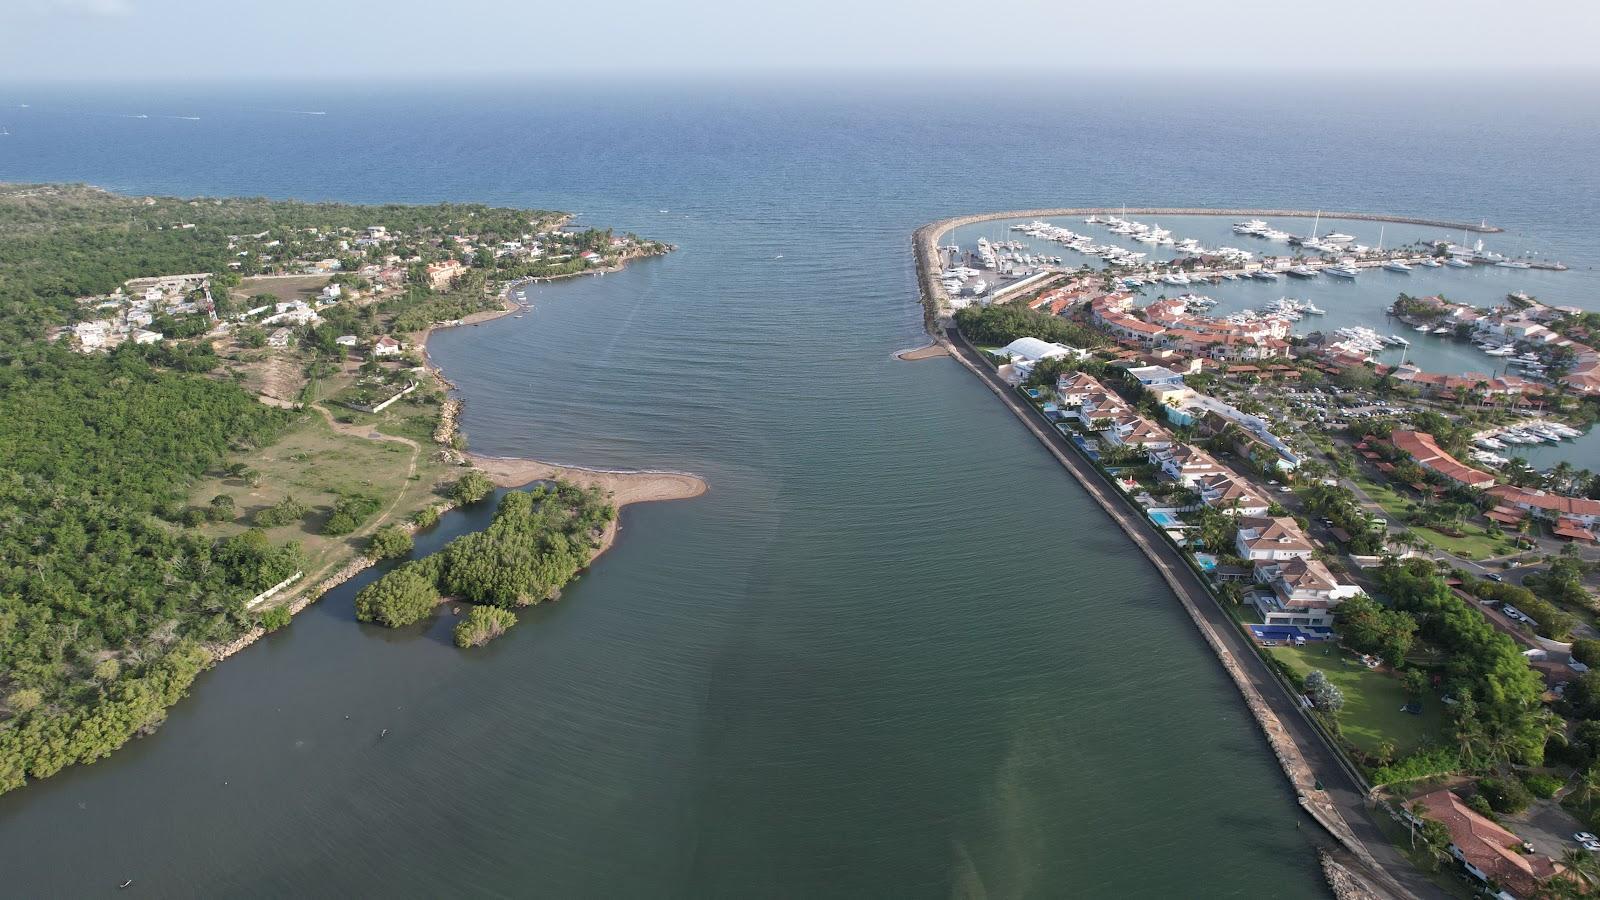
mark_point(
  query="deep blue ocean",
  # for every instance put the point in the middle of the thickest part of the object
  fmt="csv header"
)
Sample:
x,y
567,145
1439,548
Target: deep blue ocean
x,y
894,652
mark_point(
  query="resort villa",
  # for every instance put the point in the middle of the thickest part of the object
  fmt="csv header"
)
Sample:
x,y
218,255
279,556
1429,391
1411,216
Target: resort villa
x,y
1299,592
1101,410
1262,539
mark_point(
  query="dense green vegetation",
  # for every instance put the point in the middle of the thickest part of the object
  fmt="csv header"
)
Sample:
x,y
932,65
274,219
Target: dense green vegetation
x,y
37,745
1002,324
482,625
472,487
1497,715
90,448
389,542
117,428
350,512
537,542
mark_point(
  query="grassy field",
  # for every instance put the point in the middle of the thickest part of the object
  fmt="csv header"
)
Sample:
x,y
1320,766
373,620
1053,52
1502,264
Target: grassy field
x,y
1476,543
315,464
1373,699
283,289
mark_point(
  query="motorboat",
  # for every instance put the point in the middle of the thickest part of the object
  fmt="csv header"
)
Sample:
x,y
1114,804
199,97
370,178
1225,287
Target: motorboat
x,y
1456,262
1302,271
1429,263
1513,264
1264,275
1395,265
1343,270
1399,341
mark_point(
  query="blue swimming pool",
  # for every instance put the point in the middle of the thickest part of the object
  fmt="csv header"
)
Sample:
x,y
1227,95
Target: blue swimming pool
x,y
1291,632
1165,519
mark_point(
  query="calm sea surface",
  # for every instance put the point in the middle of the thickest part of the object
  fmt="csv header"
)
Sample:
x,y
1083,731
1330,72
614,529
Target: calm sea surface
x,y
894,652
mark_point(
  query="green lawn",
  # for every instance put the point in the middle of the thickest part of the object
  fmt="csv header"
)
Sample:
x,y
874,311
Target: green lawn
x,y
1372,699
1476,543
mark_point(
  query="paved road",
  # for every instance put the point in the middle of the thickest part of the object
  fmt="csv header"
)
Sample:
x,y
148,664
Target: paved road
x,y
1346,792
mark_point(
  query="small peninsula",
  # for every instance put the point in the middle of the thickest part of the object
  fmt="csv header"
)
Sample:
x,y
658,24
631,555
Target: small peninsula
x,y
217,409
1406,613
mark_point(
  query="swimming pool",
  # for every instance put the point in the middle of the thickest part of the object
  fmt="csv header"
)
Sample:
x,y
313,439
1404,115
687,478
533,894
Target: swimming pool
x,y
1165,519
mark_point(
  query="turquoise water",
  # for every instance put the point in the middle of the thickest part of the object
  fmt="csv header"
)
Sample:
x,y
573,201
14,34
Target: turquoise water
x,y
886,655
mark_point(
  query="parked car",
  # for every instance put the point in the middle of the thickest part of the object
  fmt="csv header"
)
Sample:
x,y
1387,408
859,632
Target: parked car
x,y
1495,576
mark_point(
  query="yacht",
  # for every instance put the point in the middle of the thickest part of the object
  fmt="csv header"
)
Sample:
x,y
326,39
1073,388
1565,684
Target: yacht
x,y
1443,329
1489,443
1177,278
1254,226
1421,329
1337,238
1456,262
978,287
1500,351
1273,234
1399,341
1395,265
1302,272
1429,263
1513,264
1264,275
1311,309
1343,270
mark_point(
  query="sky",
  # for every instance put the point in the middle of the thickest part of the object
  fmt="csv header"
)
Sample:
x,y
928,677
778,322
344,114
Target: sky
x,y
118,41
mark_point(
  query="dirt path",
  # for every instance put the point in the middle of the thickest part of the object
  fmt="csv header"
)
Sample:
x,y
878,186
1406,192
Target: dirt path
x,y
372,434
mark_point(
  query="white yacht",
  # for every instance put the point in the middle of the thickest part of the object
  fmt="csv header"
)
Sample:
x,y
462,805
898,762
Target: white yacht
x,y
1302,271
1395,265
1337,238
1343,270
1429,263
1177,278
1513,264
1456,262
1264,275
1399,341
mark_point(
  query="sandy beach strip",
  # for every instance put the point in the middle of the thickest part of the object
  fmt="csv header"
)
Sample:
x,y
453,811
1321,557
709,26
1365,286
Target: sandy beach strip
x,y
624,487
928,351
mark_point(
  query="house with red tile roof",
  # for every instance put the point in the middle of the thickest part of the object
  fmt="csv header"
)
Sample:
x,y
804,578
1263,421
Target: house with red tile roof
x,y
1426,453
1278,538
1489,852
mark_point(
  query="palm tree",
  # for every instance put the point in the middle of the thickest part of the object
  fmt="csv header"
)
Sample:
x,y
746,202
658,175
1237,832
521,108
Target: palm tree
x,y
1418,809
1586,786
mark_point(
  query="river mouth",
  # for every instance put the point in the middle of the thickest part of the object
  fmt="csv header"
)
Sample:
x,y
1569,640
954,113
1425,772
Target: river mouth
x,y
894,651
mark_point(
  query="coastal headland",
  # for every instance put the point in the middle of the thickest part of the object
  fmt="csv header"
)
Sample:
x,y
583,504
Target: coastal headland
x,y
1326,785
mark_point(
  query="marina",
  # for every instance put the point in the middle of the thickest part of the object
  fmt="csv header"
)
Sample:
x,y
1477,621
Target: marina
x,y
1361,299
